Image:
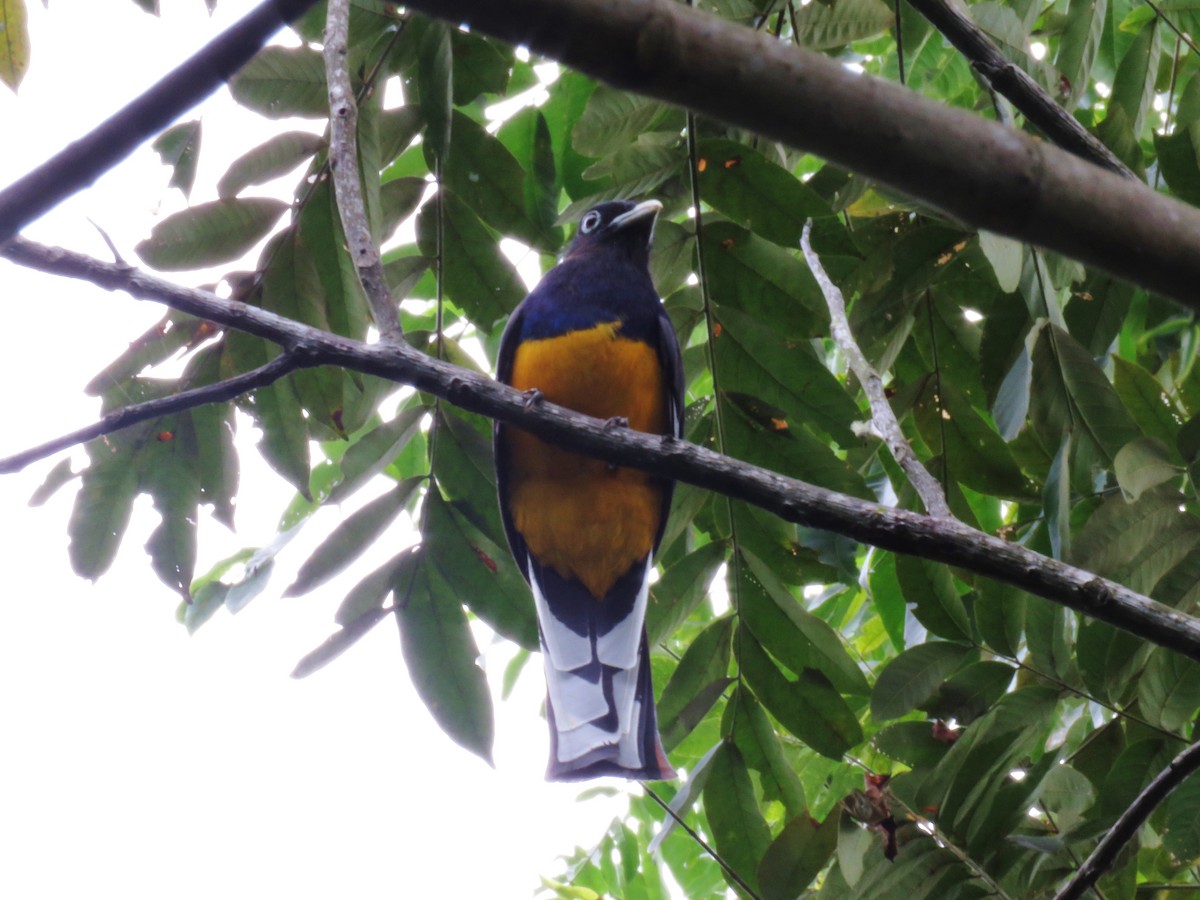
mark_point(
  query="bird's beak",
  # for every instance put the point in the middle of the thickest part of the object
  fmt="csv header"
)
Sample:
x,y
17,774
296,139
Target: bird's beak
x,y
646,209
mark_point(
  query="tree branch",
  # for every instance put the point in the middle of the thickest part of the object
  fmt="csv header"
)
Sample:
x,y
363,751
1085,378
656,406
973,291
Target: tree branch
x,y
79,164
1130,821
1017,86
347,179
882,416
942,540
162,406
975,170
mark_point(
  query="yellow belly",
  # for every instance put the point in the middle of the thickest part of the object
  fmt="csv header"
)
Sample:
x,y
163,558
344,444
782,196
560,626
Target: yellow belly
x,y
580,516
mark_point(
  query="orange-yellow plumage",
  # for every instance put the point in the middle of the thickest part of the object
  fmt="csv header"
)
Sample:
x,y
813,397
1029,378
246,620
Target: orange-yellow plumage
x,y
582,517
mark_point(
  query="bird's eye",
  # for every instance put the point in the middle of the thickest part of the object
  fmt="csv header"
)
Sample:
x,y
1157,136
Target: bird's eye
x,y
590,222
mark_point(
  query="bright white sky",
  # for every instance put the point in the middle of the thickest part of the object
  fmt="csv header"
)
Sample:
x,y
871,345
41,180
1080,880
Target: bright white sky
x,y
142,762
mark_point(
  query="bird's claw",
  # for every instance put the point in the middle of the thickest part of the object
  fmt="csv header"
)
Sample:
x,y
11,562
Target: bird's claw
x,y
532,397
616,422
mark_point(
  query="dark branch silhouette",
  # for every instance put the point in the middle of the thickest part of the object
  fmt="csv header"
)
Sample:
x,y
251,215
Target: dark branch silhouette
x,y
153,409
1130,821
946,541
975,170
80,163
1015,84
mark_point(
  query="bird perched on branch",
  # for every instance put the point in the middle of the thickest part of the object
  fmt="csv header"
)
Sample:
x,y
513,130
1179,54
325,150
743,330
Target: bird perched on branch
x,y
593,336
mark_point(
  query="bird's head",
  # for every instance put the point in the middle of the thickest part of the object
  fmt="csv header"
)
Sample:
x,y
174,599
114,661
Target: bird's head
x,y
619,226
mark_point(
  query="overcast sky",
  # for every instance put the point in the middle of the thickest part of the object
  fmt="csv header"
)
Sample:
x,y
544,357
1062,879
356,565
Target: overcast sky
x,y
139,761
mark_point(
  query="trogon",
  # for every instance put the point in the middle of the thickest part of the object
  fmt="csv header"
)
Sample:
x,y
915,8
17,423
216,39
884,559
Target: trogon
x,y
593,336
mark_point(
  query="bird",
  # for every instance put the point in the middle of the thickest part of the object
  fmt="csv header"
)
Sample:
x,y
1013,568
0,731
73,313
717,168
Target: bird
x,y
593,336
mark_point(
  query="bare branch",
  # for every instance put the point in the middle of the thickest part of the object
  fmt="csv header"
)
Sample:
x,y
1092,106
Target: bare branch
x,y
1131,820
942,540
162,406
975,170
347,179
79,164
1015,84
882,416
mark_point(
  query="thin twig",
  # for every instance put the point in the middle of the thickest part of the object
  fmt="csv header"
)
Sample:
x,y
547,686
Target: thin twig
x,y
347,179
80,163
1014,83
695,836
1130,821
882,417
903,531
162,406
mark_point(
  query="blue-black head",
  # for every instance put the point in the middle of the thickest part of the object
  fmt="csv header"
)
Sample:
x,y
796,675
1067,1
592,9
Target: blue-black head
x,y
618,226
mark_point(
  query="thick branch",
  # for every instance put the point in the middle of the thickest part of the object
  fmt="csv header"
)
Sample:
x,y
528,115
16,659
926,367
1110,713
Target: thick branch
x,y
162,406
943,540
347,181
977,171
1015,84
1131,820
882,416
79,164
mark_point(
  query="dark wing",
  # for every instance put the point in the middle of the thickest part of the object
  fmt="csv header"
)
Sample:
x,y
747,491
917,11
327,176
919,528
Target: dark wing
x,y
504,366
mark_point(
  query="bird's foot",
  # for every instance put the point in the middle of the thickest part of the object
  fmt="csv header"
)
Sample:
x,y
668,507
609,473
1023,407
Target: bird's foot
x,y
532,397
616,422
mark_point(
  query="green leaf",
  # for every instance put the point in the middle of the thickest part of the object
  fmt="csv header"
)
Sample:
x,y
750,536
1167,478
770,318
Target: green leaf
x,y
58,476
793,635
1150,406
1143,464
479,571
757,360
482,173
755,736
762,280
435,74
971,691
179,148
481,66
1071,386
478,277
280,82
1133,85
351,537
1006,257
682,588
1168,689
823,26
738,829
884,590
440,653
374,451
798,854
930,587
613,119
1179,161
974,452
272,159
702,675
371,592
14,48
754,192
1079,45
809,708
101,511
338,642
1181,834
1000,615
910,679
209,233
912,743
